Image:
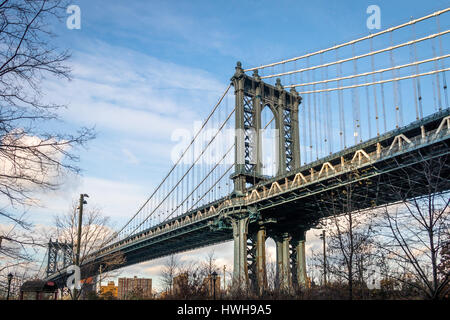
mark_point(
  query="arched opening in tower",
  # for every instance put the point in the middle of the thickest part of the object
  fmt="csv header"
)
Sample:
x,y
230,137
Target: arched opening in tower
x,y
269,141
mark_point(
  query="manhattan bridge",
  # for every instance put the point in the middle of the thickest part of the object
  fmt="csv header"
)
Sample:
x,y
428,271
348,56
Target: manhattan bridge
x,y
284,140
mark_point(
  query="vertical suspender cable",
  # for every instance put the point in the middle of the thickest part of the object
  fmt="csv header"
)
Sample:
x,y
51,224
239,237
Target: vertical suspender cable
x,y
414,80
304,137
355,102
315,116
436,67
342,130
433,87
329,124
369,120
383,104
372,58
394,85
444,78
419,91
322,115
309,118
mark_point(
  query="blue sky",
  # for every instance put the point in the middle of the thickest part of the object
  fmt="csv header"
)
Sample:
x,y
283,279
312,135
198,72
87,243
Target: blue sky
x,y
142,69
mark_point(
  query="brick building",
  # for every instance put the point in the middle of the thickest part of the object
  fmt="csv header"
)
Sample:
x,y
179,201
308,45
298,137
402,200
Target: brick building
x,y
135,287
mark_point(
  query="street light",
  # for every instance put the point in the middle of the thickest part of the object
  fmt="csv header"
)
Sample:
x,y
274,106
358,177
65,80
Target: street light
x,y
214,278
322,237
10,276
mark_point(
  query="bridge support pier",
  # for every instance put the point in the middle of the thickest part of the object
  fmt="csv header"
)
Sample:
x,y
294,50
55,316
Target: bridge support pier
x,y
261,260
240,268
283,276
299,259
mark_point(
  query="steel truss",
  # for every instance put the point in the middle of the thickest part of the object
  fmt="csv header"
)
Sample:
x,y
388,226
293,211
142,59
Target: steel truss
x,y
252,96
55,249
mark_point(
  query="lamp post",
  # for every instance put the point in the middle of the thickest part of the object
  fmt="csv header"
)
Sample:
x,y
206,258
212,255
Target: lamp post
x,y
214,278
10,276
322,236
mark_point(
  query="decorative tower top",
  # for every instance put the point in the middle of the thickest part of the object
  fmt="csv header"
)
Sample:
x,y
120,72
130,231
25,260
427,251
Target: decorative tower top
x,y
256,75
239,71
278,84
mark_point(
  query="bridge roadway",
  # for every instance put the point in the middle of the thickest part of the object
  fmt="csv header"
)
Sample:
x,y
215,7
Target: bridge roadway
x,y
298,199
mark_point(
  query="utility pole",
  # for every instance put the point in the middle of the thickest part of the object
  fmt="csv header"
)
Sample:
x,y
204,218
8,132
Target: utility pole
x,y
100,279
80,225
322,236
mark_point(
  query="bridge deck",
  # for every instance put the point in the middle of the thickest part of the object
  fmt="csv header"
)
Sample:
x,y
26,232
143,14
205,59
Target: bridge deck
x,y
300,198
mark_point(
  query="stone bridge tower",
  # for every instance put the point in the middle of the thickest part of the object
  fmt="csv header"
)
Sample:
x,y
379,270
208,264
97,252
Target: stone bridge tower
x,y
252,96
250,228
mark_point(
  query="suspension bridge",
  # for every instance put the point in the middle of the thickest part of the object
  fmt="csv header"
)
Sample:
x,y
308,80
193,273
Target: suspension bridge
x,y
285,140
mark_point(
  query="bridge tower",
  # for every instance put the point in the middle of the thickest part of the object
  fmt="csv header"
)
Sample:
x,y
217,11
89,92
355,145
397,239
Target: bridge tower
x,y
251,96
54,249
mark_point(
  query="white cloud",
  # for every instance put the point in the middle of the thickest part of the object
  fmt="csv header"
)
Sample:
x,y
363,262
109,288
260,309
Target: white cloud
x,y
135,101
22,156
118,200
125,91
130,156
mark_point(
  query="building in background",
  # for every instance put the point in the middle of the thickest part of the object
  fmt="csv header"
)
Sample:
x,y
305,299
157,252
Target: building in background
x,y
208,284
180,283
135,288
109,290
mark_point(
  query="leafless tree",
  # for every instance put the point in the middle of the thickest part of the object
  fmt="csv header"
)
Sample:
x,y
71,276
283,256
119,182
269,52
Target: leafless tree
x,y
271,270
207,268
416,230
444,265
18,249
96,230
31,155
190,279
349,232
169,271
209,265
190,282
21,273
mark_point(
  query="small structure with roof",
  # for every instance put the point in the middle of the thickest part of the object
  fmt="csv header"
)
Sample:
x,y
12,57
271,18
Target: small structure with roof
x,y
38,290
